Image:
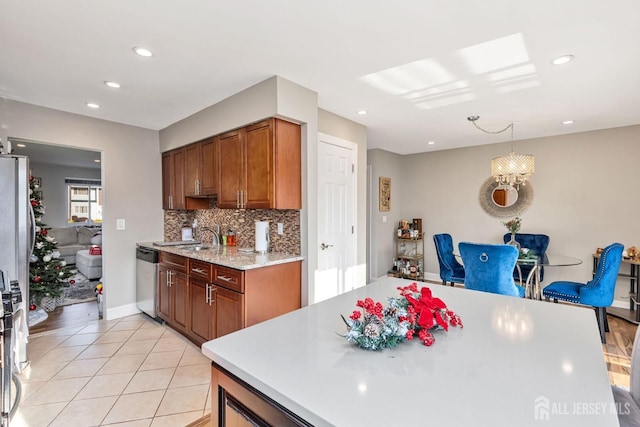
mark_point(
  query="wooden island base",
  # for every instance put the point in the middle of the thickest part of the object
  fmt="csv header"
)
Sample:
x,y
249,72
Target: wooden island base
x,y
234,403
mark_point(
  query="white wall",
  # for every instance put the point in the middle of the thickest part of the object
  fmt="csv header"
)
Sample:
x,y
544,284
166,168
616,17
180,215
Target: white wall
x,y
131,176
251,105
54,189
584,196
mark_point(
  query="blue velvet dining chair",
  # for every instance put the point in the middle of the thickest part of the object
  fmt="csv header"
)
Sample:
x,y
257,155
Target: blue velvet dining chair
x,y
598,292
536,243
489,268
450,269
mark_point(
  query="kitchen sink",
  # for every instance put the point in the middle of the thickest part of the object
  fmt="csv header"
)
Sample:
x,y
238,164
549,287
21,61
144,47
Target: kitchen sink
x,y
196,248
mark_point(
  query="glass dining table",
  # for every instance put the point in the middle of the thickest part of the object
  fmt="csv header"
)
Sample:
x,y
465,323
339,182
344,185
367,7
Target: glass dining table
x,y
532,281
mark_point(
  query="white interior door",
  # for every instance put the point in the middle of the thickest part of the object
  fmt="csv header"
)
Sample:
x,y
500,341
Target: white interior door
x,y
336,218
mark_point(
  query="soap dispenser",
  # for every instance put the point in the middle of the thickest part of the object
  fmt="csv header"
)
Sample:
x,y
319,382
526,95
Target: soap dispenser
x,y
231,238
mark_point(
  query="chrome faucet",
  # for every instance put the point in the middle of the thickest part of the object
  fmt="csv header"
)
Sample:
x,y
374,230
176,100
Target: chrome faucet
x,y
215,239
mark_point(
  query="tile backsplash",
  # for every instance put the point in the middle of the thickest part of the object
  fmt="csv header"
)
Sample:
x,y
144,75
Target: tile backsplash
x,y
242,222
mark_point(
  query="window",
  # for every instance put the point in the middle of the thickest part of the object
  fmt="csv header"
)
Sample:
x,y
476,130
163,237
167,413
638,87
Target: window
x,y
84,201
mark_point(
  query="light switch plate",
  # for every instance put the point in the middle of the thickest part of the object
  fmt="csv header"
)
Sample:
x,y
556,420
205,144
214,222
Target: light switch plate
x,y
280,228
120,224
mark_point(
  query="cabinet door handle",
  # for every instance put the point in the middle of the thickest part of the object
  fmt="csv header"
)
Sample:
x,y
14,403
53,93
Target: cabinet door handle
x,y
211,290
170,202
238,199
225,278
198,187
242,202
206,295
198,270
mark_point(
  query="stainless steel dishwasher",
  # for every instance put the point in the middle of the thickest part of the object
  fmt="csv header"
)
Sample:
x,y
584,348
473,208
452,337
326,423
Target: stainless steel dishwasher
x,y
146,280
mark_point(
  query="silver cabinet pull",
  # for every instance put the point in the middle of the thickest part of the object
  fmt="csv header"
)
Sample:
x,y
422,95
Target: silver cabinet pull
x,y
206,295
198,270
238,198
211,290
225,278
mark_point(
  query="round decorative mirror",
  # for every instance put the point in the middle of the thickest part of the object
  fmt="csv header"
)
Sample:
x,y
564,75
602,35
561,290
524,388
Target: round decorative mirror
x,y
504,195
503,201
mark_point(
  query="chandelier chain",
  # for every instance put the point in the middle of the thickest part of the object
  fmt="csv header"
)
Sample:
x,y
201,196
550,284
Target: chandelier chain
x,y
509,126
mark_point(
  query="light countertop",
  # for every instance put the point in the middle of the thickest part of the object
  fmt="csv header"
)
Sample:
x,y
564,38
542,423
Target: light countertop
x,y
229,256
515,362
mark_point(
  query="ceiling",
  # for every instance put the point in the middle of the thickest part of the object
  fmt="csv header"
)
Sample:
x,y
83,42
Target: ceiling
x,y
419,68
56,155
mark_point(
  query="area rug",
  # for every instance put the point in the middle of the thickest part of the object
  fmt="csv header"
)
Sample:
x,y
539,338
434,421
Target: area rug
x,y
83,290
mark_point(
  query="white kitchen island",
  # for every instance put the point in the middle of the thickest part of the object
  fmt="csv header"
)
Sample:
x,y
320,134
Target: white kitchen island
x,y
516,362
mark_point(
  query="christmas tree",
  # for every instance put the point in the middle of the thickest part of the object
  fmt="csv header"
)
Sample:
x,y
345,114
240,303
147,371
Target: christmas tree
x,y
48,273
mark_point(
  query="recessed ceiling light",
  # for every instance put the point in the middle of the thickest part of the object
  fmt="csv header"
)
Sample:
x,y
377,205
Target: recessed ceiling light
x,y
114,85
20,145
92,105
567,122
431,142
142,51
562,59
97,160
362,112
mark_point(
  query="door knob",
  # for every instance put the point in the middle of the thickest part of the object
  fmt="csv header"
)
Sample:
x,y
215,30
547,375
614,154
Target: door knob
x,y
323,246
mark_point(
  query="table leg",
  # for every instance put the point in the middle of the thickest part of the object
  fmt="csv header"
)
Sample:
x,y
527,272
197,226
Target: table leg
x,y
632,287
533,289
635,282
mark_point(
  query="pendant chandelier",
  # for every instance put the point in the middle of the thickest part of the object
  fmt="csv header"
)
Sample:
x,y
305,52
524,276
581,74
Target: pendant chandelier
x,y
513,169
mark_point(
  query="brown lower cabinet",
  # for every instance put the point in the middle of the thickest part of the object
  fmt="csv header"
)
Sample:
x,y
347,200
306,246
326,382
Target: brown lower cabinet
x,y
204,301
172,291
234,403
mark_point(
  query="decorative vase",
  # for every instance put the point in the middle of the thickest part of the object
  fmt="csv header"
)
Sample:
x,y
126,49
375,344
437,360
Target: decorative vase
x,y
513,242
48,304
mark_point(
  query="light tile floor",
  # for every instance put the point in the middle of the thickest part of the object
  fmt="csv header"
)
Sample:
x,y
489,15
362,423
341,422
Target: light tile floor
x,y
129,372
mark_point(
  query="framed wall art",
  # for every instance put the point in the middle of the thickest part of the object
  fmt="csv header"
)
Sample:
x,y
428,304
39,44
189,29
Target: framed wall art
x,y
385,194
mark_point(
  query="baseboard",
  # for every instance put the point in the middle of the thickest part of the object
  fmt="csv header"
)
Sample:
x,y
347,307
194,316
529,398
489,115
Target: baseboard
x,y
121,311
432,277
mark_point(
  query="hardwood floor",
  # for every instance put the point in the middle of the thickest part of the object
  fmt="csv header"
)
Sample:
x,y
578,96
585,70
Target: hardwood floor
x,y
617,350
68,316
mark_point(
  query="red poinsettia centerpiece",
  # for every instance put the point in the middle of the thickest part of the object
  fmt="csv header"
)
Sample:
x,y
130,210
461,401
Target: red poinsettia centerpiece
x,y
415,312
431,313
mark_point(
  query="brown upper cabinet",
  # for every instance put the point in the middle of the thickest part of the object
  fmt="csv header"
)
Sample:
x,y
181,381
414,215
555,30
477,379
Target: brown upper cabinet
x,y
260,166
254,167
200,175
172,180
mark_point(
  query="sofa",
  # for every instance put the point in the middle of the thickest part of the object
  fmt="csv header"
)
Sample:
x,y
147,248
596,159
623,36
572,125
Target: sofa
x,y
73,239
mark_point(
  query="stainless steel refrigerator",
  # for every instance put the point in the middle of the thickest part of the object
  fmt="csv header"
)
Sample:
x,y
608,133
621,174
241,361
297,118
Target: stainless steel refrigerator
x,y
17,236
